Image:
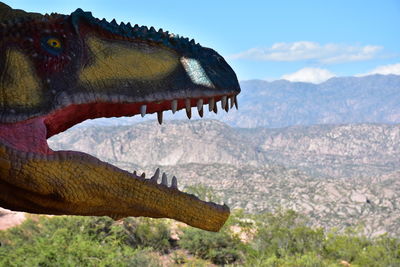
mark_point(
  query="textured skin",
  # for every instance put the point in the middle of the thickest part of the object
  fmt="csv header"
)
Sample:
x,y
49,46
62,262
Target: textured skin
x,y
56,71
77,185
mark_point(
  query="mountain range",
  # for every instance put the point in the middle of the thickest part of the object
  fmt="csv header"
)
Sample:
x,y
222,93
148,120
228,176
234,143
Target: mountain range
x,y
341,100
340,175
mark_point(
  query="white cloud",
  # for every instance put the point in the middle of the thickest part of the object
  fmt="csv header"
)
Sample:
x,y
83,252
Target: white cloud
x,y
306,50
386,69
310,75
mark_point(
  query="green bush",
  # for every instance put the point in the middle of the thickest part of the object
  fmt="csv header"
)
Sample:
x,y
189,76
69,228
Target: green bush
x,y
220,248
285,234
279,239
178,257
284,239
345,246
146,232
70,241
362,251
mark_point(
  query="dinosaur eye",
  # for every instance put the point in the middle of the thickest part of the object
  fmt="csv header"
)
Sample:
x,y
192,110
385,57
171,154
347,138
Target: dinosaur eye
x,y
52,45
54,42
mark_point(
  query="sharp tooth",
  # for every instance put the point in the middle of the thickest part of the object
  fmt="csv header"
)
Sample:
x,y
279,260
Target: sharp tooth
x,y
223,102
155,176
143,110
174,106
159,117
164,179
174,183
232,98
187,104
199,104
236,102
211,104
143,175
188,108
215,109
200,107
227,106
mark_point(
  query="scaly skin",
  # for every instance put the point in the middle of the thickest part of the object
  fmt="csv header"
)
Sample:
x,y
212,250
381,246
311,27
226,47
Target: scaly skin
x,y
56,71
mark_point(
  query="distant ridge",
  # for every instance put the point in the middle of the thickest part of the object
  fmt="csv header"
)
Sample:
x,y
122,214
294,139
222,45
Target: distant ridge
x,y
339,100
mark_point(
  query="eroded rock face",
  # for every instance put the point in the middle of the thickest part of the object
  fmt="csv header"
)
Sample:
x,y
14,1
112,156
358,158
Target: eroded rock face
x,y
10,218
169,144
339,151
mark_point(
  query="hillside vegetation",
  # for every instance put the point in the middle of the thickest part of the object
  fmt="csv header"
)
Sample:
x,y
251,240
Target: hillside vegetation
x,y
279,239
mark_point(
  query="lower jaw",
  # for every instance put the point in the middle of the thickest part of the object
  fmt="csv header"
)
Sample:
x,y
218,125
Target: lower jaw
x,y
27,140
113,192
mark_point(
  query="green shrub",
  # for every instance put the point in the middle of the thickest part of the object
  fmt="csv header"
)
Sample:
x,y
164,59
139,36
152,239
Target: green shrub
x,y
70,241
146,232
178,257
361,251
220,248
279,239
285,234
345,246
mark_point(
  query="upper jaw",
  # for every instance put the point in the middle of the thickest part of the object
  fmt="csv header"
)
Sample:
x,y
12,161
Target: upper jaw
x,y
117,106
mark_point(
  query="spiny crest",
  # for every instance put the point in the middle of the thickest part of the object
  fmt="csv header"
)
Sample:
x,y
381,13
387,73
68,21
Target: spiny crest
x,y
7,13
17,26
19,17
138,32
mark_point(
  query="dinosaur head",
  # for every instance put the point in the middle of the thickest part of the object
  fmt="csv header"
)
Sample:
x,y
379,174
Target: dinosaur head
x,y
57,64
58,70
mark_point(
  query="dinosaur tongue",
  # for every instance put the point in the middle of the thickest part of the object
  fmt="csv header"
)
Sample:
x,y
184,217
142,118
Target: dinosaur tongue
x,y
26,136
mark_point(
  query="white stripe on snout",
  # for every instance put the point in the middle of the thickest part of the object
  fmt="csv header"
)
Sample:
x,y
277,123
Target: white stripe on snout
x,y
196,72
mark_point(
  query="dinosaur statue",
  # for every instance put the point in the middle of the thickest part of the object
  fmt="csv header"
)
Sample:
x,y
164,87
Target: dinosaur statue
x,y
59,70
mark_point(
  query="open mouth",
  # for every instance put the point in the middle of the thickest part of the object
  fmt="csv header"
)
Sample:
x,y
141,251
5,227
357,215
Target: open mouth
x,y
65,69
28,139
71,115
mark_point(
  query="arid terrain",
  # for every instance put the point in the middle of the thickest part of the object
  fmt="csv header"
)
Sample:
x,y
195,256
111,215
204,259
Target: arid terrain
x,y
343,175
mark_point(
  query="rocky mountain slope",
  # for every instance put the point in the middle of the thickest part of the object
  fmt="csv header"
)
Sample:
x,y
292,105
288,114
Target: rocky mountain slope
x,y
339,151
341,100
371,203
340,175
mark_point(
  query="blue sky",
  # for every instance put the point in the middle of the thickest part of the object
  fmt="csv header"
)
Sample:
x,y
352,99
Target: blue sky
x,y
296,40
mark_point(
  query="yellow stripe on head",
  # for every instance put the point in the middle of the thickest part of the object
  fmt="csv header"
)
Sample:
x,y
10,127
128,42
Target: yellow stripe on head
x,y
123,60
20,86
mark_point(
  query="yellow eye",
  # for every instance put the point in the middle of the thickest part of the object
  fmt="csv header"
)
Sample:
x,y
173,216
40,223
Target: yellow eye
x,y
54,42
